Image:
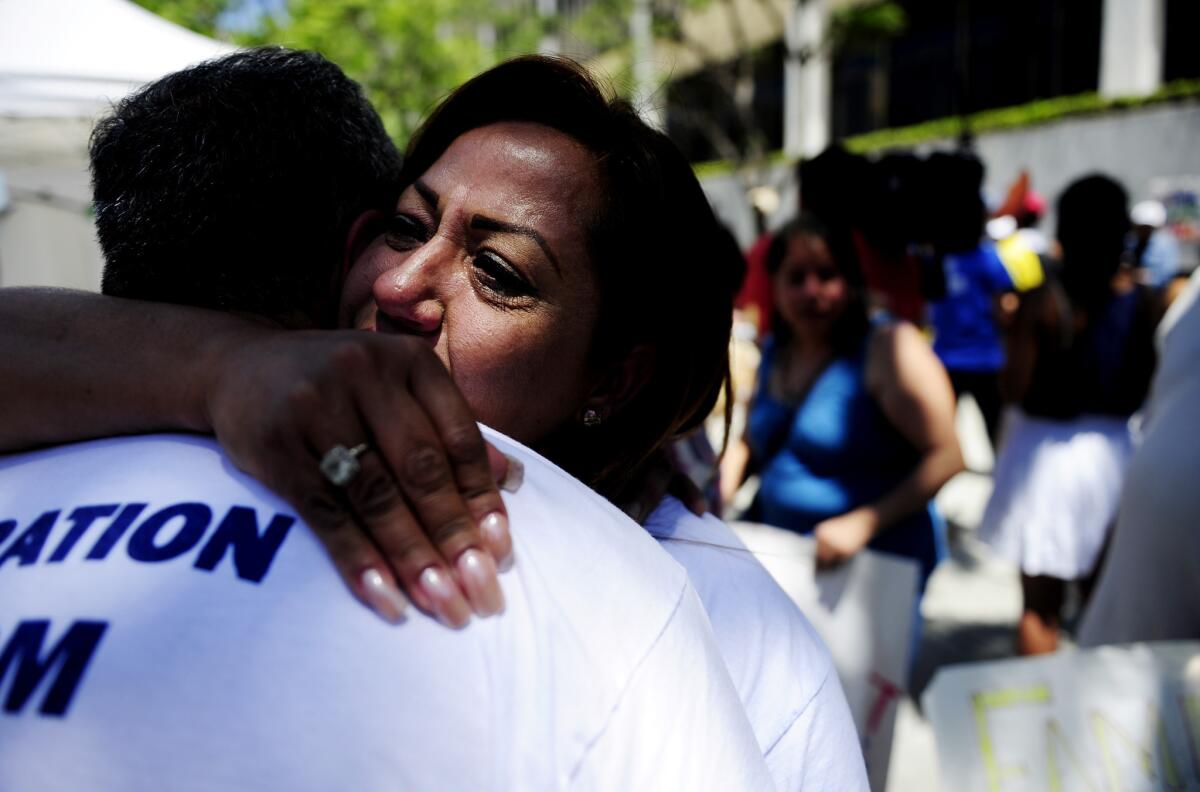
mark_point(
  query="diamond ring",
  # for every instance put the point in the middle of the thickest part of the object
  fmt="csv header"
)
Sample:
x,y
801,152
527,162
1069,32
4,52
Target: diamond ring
x,y
340,464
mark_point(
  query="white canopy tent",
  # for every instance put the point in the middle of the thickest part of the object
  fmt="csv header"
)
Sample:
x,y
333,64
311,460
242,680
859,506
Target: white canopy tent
x,y
62,65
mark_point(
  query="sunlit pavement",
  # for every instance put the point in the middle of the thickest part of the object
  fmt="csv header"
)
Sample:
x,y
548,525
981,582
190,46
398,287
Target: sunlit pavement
x,y
970,608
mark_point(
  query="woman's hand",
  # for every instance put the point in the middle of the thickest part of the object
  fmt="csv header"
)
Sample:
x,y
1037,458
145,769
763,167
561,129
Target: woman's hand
x,y
423,509
840,538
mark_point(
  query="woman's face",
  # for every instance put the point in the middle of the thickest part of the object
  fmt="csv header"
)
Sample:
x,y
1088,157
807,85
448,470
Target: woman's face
x,y
486,259
810,292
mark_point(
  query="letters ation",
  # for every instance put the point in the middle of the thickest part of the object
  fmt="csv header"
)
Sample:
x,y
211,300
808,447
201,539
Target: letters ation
x,y
252,554
23,655
165,534
82,519
26,547
114,532
196,517
6,528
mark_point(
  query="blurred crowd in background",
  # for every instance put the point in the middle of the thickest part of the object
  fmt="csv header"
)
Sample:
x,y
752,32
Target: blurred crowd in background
x,y
1050,330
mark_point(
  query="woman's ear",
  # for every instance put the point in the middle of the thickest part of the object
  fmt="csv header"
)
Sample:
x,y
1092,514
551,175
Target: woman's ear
x,y
362,231
622,382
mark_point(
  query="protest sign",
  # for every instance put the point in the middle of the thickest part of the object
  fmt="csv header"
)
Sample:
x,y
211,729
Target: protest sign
x,y
1111,718
863,611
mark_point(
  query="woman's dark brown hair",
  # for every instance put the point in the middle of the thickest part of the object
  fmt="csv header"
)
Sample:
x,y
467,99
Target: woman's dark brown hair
x,y
664,273
1093,219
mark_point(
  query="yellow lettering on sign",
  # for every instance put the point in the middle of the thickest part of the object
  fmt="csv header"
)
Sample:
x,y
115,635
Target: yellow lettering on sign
x,y
1054,734
1103,728
1190,705
995,699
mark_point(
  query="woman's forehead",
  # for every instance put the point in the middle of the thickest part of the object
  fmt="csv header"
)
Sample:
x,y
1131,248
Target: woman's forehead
x,y
520,175
517,161
807,249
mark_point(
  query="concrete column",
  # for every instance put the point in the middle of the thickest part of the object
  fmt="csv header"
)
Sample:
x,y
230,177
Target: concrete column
x,y
1132,44
807,78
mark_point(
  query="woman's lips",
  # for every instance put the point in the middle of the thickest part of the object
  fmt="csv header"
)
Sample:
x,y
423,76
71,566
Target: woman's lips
x,y
390,324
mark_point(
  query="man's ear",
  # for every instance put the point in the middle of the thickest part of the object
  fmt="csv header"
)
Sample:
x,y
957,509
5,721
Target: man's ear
x,y
364,229
622,382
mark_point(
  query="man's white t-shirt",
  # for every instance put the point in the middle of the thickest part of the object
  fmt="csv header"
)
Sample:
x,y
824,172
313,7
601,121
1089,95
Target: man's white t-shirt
x,y
781,668
167,623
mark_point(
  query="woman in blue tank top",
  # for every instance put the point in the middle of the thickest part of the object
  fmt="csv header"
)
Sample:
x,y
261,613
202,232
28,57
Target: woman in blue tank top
x,y
852,427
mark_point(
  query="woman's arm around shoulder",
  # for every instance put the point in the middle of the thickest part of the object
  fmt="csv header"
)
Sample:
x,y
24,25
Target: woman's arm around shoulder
x,y
423,499
76,365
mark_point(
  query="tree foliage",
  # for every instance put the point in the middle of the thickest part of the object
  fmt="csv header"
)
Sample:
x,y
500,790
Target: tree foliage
x,y
407,54
867,23
201,16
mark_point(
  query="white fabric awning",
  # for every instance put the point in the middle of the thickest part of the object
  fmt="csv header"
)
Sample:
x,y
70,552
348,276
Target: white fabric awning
x,y
73,58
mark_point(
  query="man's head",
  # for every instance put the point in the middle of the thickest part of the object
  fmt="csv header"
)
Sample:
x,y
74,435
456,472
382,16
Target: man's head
x,y
231,184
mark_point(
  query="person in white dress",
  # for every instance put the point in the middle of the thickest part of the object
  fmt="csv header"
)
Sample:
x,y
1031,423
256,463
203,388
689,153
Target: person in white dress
x,y
1080,357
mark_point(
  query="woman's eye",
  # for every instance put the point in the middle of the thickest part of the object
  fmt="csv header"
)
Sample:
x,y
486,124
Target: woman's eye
x,y
404,233
498,276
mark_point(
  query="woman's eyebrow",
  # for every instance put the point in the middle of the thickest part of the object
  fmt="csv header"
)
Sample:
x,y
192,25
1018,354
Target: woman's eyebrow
x,y
426,192
489,224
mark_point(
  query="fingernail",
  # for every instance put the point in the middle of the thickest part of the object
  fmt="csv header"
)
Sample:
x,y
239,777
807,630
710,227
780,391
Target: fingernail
x,y
450,606
385,599
495,531
478,574
515,475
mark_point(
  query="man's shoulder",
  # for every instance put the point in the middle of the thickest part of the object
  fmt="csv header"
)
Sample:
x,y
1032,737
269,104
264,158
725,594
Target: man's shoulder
x,y
569,540
715,557
160,462
591,557
777,659
136,531
573,523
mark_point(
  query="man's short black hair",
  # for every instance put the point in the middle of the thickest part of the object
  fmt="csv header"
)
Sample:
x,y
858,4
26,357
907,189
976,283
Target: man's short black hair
x,y
231,184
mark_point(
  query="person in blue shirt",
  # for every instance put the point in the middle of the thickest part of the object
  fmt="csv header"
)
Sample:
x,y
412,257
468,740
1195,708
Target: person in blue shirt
x,y
1153,249
966,334
852,427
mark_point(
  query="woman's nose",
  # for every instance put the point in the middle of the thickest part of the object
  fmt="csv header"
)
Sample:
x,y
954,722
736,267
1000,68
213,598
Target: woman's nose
x,y
812,286
409,296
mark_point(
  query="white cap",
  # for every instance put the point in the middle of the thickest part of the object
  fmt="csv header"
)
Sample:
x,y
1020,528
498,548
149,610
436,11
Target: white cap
x,y
1001,227
765,199
1149,213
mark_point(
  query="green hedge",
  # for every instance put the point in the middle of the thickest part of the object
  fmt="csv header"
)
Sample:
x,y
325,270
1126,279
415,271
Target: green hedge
x,y
1020,116
1026,115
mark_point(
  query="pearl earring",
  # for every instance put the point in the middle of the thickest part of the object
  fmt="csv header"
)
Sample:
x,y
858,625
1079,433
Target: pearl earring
x,y
591,417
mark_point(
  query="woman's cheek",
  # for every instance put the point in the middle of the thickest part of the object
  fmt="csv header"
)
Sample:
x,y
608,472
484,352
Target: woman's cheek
x,y
498,373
